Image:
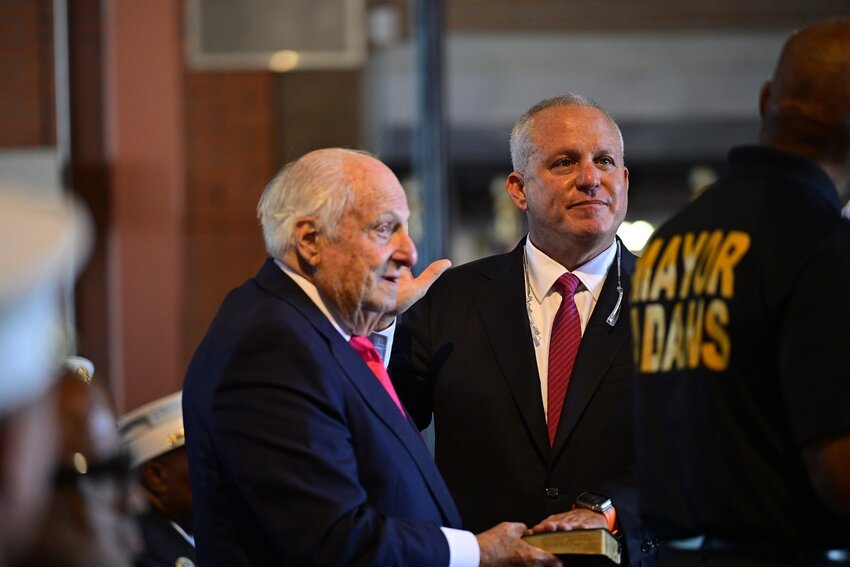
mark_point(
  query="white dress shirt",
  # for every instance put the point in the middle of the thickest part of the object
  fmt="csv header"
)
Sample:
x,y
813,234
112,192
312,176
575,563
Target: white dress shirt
x,y
543,272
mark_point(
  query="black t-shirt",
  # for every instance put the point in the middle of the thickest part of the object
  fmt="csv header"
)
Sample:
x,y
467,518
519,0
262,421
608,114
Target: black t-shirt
x,y
741,323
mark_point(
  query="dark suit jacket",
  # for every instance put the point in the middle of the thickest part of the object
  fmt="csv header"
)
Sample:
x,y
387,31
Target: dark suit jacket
x,y
296,453
163,544
465,352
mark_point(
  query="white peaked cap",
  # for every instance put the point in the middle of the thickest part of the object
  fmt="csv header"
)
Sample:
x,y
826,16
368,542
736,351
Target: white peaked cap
x,y
82,367
43,242
153,429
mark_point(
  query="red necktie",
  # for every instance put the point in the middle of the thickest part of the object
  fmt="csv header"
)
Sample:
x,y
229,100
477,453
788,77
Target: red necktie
x,y
367,352
563,346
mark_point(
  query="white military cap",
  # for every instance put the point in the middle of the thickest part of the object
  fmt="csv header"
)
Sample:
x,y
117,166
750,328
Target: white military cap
x,y
153,429
82,367
42,243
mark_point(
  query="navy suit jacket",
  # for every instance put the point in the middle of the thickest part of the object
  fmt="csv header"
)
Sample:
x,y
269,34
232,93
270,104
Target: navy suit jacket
x,y
465,352
297,455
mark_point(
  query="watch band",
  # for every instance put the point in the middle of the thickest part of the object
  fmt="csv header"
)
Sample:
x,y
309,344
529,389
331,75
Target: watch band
x,y
611,517
601,505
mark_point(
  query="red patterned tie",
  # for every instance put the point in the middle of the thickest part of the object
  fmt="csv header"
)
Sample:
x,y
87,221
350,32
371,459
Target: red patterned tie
x,y
563,346
367,352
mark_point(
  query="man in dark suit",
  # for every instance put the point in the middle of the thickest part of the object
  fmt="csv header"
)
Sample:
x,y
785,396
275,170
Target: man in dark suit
x,y
299,452
475,350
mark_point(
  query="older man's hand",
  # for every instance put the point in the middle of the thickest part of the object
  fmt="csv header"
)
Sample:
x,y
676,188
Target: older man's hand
x,y
503,545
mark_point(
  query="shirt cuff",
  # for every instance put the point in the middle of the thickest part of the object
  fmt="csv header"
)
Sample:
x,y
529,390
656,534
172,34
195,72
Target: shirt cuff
x,y
463,548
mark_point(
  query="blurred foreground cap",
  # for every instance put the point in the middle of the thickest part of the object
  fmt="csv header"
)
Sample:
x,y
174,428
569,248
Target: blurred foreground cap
x,y
153,429
43,242
82,367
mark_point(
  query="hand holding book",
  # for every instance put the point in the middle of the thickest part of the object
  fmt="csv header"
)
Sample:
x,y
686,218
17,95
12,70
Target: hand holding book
x,y
578,532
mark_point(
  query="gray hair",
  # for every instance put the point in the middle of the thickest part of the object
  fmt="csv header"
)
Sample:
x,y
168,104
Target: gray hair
x,y
521,144
314,185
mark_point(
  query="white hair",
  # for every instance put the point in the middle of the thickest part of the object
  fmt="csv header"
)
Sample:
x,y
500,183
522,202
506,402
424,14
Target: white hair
x,y
314,185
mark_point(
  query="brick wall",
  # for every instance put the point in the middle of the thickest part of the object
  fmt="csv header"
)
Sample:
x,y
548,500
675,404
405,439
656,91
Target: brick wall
x,y
26,74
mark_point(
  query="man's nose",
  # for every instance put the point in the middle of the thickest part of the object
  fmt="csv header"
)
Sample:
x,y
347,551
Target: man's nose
x,y
405,250
587,176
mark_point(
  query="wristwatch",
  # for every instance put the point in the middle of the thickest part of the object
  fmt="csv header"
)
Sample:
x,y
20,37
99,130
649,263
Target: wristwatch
x,y
600,504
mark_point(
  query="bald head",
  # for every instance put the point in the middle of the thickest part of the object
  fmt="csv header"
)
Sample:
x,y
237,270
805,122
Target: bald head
x,y
806,107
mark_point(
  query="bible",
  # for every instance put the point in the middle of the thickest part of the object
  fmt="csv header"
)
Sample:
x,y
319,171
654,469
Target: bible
x,y
595,543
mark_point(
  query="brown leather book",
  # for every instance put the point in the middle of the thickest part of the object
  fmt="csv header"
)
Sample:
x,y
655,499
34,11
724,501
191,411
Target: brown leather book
x,y
597,542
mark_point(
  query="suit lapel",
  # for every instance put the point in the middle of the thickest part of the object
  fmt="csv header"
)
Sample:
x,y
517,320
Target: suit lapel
x,y
355,370
500,301
385,410
599,346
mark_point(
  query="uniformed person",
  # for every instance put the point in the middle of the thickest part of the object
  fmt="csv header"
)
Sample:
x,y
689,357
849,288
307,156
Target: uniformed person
x,y
42,241
153,434
90,517
741,323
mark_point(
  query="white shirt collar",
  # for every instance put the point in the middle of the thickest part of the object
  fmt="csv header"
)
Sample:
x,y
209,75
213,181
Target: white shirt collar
x,y
544,271
313,293
182,532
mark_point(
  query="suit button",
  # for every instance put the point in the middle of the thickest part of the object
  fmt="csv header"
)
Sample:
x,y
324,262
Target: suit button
x,y
552,492
649,544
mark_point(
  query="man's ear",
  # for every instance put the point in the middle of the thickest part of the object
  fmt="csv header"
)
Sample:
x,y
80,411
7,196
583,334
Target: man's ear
x,y
154,477
764,98
307,241
515,186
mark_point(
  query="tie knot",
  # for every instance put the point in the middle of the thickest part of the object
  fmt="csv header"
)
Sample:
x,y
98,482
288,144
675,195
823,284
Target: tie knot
x,y
364,348
567,284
